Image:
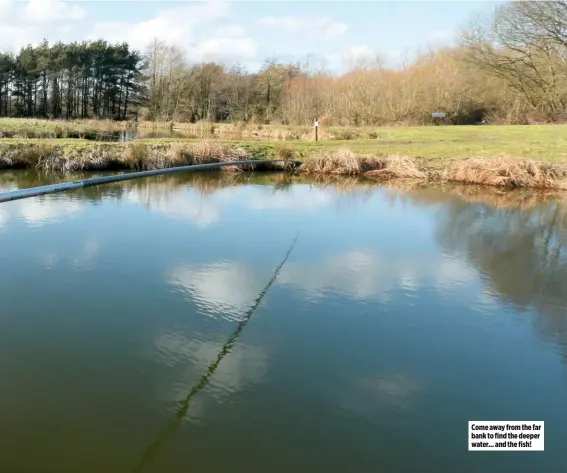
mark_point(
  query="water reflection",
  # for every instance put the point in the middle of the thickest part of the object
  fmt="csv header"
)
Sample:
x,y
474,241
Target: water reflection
x,y
212,368
247,364
222,289
39,211
183,204
182,195
88,254
361,350
365,274
516,240
395,392
521,253
130,134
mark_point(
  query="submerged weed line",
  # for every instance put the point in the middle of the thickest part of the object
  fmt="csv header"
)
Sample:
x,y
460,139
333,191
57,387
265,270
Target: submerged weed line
x,y
181,412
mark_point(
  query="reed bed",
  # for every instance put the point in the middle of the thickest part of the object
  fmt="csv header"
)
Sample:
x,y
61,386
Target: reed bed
x,y
254,131
505,171
66,156
24,128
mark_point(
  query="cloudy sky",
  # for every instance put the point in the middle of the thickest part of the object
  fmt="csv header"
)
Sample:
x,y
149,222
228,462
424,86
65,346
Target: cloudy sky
x,y
243,30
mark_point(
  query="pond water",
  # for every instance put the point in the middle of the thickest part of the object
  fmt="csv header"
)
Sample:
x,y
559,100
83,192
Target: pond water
x,y
127,343
130,134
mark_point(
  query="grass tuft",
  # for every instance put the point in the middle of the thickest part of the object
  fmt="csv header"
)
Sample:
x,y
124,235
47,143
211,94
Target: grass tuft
x,y
397,167
340,161
504,171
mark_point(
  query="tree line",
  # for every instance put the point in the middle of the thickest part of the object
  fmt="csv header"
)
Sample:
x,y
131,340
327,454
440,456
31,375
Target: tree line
x,y
76,80
510,66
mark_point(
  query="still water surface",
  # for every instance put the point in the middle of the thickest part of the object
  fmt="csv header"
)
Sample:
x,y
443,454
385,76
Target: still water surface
x,y
399,316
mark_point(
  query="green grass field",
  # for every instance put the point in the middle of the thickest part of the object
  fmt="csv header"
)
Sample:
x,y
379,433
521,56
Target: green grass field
x,y
542,143
546,143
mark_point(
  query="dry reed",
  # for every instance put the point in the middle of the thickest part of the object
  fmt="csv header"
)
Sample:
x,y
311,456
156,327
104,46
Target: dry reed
x,y
397,167
345,162
504,171
340,161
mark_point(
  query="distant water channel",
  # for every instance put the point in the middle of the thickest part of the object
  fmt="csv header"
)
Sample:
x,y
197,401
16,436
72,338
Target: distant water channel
x,y
400,315
130,134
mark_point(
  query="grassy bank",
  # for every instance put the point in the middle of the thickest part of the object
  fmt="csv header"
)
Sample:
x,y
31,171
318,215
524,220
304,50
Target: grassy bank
x,y
391,135
77,155
545,143
536,141
321,159
56,129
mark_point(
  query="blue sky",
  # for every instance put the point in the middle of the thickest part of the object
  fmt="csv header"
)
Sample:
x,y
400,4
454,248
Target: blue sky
x,y
247,32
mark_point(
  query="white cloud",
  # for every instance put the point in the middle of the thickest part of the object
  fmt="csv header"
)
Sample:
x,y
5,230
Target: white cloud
x,y
188,359
28,23
224,49
244,364
90,250
5,6
186,203
182,27
440,38
224,289
191,27
361,51
51,11
180,203
50,260
83,260
37,212
320,27
358,54
227,289
231,31
365,275
439,34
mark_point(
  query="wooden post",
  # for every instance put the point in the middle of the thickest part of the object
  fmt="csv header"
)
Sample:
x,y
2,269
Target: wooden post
x,y
316,126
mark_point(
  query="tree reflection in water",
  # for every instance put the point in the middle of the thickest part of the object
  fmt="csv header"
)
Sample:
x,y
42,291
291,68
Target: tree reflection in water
x,y
516,240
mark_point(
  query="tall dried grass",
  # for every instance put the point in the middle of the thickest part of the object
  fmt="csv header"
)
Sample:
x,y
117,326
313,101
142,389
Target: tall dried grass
x,y
502,172
345,162
397,167
340,161
505,171
113,156
48,129
254,131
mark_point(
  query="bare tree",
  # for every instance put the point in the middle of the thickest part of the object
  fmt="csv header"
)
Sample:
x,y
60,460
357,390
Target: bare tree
x,y
525,44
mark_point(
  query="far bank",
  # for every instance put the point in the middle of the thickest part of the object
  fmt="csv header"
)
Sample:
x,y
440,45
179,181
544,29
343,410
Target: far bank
x,y
497,166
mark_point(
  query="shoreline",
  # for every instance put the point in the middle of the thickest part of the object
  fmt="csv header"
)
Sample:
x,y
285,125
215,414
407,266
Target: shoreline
x,y
72,156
